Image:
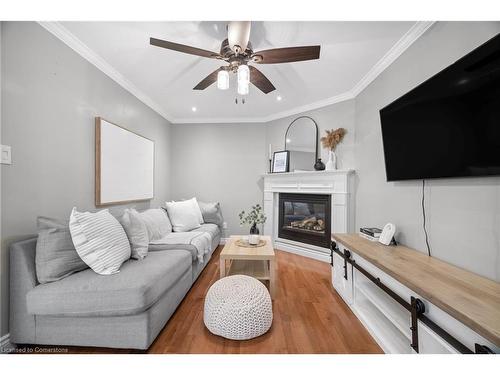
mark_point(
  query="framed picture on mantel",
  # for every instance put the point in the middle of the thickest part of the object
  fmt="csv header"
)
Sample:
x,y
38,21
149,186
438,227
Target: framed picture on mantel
x,y
281,162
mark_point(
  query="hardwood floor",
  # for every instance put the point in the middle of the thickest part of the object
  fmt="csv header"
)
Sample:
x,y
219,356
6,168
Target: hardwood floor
x,y
309,317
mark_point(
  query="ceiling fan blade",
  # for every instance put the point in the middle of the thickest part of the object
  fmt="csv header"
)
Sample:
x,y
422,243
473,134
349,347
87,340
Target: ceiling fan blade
x,y
208,80
183,48
286,55
260,80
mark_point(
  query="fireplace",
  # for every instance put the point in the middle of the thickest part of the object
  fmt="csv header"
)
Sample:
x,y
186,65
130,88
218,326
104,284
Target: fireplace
x,y
305,218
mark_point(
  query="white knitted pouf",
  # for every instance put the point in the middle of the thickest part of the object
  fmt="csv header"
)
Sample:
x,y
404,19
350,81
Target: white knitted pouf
x,y
238,307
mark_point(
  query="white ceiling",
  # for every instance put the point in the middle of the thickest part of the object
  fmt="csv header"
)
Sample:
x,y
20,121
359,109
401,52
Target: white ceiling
x,y
350,53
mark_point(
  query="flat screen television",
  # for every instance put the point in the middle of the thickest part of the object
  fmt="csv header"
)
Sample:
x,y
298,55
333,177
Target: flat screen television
x,y
449,126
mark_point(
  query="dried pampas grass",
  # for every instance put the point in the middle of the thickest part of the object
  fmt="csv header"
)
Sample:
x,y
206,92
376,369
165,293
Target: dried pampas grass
x,y
333,138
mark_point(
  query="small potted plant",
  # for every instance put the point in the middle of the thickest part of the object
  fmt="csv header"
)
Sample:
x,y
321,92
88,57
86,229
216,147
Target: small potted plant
x,y
330,141
253,218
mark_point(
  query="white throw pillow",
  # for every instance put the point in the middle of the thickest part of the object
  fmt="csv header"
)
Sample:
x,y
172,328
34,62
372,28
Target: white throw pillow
x,y
157,223
99,240
137,233
183,215
197,209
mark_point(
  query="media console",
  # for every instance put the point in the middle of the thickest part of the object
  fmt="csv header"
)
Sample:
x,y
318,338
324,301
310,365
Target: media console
x,y
413,303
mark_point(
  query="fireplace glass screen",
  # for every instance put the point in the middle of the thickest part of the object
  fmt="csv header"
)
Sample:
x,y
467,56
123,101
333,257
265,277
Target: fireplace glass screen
x,y
305,218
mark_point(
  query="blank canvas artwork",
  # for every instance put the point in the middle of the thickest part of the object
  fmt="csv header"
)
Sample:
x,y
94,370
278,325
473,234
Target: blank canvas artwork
x,y
124,165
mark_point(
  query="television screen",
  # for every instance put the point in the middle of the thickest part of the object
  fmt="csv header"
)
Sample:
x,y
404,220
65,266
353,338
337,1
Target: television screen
x,y
449,126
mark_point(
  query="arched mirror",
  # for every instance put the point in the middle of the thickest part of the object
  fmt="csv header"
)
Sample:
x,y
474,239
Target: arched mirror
x,y
301,139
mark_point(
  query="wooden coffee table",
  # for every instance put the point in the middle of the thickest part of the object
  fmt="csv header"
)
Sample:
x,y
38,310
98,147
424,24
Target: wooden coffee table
x,y
258,262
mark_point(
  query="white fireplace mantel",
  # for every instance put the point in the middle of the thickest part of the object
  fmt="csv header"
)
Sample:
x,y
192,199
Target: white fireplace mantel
x,y
338,184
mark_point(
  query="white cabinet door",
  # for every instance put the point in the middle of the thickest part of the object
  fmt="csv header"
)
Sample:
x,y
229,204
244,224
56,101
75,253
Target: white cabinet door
x,y
342,286
430,343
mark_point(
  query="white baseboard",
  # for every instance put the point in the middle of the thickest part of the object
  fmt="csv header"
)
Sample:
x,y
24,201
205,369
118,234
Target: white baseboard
x,y
5,345
323,257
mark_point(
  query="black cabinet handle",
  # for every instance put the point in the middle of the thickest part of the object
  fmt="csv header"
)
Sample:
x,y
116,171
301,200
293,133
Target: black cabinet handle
x,y
482,349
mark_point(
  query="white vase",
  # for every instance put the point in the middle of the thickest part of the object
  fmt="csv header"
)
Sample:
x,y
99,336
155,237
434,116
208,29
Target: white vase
x,y
253,239
331,164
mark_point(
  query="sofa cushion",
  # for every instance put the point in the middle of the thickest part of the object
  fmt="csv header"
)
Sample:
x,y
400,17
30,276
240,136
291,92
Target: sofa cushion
x,y
56,256
185,247
137,286
212,229
100,240
157,223
211,213
196,209
137,233
183,215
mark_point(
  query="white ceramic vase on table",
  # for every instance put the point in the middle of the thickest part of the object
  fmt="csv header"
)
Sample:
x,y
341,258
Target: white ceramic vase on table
x,y
331,164
253,239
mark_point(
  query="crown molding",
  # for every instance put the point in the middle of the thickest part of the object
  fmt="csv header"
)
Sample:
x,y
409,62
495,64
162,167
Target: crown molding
x,y
396,50
83,50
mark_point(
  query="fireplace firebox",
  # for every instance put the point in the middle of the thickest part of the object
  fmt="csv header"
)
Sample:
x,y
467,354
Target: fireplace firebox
x,y
305,218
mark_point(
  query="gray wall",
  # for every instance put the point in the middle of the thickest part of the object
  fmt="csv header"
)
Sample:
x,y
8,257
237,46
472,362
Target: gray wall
x,y
219,162
463,214
339,115
50,96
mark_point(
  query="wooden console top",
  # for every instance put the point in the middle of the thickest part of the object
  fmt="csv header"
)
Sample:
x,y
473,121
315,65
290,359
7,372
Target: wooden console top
x,y
469,298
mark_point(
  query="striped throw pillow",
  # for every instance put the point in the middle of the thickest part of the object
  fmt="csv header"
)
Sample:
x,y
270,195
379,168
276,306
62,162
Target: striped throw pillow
x,y
99,240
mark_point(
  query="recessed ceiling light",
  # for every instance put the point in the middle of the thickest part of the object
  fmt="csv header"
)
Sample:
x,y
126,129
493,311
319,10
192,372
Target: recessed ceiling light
x,y
278,98
193,109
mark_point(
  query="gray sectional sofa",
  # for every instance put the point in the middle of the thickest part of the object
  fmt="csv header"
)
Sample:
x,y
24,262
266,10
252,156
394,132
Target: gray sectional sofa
x,y
125,310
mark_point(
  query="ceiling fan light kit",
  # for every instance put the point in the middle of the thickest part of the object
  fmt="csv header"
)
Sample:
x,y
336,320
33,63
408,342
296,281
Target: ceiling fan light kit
x,y
237,52
223,80
243,79
243,88
243,74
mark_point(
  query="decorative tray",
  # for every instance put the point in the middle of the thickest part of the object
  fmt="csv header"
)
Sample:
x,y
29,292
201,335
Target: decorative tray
x,y
244,243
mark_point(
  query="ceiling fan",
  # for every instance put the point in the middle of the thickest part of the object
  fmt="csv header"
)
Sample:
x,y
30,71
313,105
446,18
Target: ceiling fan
x,y
237,52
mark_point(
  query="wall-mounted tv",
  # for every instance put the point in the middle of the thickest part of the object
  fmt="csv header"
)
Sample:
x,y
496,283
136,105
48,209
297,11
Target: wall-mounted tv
x,y
449,126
